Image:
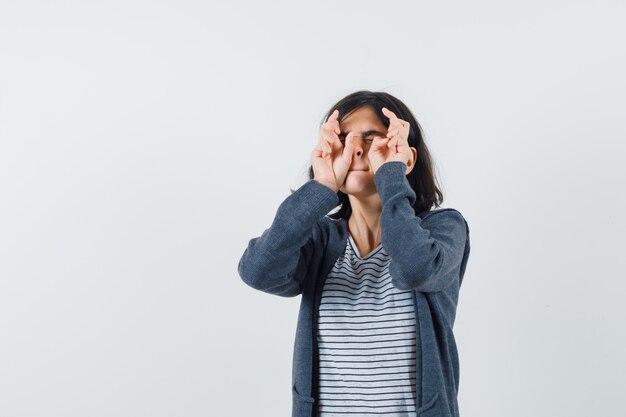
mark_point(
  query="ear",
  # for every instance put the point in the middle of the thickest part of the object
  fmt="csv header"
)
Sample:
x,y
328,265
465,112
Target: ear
x,y
411,163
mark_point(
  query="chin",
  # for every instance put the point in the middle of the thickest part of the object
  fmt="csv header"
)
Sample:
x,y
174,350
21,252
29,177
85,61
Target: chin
x,y
360,183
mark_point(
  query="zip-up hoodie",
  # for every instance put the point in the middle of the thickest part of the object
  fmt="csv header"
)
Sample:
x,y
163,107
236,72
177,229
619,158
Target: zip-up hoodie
x,y
429,254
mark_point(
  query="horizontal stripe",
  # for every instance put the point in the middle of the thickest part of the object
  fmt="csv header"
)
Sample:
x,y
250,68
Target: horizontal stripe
x,y
366,339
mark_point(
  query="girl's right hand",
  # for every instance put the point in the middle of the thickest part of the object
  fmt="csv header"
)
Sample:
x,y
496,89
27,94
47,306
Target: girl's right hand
x,y
330,159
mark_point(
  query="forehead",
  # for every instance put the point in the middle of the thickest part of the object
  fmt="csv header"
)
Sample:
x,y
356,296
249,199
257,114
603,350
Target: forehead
x,y
362,118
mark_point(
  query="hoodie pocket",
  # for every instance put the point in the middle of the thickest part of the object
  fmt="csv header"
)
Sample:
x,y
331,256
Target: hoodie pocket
x,y
430,408
302,405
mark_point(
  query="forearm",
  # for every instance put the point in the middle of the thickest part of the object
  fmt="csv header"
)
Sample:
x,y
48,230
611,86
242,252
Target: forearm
x,y
426,253
276,261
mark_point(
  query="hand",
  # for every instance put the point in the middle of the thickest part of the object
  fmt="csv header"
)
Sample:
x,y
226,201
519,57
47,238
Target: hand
x,y
330,159
393,147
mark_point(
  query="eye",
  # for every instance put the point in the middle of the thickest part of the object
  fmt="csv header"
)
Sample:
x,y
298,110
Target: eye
x,y
342,139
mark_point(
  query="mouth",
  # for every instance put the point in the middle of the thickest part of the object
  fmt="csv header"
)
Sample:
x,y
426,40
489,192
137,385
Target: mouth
x,y
357,170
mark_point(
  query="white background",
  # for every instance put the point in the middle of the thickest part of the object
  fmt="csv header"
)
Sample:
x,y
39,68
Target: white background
x,y
143,143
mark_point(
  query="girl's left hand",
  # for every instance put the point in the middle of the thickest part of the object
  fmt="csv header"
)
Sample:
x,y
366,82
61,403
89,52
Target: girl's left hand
x,y
393,147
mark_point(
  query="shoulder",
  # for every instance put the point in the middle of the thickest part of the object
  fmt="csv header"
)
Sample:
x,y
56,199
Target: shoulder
x,y
445,217
441,214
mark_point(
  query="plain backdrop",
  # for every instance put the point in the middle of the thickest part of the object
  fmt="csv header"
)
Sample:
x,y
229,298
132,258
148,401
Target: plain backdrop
x,y
144,143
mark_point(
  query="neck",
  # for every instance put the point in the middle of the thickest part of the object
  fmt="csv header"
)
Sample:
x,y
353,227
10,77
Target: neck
x,y
364,221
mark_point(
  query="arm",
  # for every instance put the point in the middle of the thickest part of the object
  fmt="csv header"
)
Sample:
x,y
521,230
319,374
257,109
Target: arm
x,y
426,254
277,261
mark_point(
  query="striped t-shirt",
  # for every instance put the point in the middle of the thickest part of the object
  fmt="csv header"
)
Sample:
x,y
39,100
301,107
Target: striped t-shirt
x,y
366,338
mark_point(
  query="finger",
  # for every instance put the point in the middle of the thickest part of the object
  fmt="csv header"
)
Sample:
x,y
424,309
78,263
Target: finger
x,y
393,144
378,142
328,150
325,146
332,128
318,152
403,137
334,142
349,147
332,125
327,137
406,127
333,122
333,116
393,132
391,115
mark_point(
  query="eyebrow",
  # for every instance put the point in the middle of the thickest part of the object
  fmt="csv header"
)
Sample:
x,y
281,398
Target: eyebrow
x,y
366,133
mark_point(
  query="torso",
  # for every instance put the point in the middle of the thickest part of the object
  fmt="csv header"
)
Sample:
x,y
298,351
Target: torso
x,y
366,338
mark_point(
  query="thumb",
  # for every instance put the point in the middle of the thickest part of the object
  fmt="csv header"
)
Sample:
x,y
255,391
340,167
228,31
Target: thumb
x,y
348,149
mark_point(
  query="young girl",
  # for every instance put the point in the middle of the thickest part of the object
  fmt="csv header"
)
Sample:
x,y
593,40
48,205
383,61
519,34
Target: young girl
x,y
379,277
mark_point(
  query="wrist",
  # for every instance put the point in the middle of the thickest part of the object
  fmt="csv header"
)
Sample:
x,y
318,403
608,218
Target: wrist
x,y
328,184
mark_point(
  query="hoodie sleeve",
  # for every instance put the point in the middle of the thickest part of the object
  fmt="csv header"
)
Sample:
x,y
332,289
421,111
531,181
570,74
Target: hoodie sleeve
x,y
427,254
277,261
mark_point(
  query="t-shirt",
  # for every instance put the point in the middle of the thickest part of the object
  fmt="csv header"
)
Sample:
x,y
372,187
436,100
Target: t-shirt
x,y
366,339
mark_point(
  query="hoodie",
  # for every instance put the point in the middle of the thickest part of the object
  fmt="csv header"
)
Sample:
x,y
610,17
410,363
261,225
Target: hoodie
x,y
429,254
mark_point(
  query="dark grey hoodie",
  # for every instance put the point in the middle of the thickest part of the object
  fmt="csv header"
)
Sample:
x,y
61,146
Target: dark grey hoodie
x,y
428,253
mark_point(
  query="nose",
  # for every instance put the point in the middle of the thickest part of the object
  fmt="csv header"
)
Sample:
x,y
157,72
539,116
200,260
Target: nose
x,y
358,145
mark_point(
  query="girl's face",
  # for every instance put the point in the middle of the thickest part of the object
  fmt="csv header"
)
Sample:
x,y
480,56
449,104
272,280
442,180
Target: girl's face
x,y
365,124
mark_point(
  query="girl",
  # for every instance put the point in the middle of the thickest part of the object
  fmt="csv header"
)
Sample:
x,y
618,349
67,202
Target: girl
x,y
379,277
